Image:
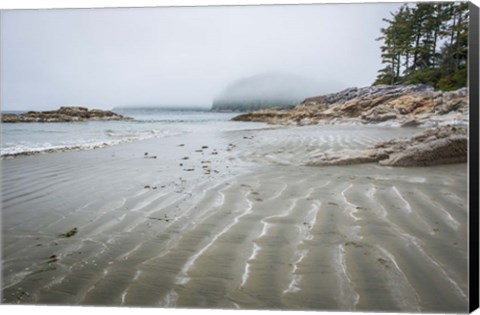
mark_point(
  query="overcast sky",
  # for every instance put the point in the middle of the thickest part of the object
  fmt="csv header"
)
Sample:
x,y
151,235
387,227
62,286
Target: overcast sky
x,y
104,58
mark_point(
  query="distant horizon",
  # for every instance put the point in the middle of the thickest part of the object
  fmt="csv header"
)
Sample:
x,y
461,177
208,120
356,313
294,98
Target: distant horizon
x,y
164,107
173,107
133,107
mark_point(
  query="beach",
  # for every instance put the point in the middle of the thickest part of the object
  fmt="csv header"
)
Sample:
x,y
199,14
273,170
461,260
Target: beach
x,y
231,219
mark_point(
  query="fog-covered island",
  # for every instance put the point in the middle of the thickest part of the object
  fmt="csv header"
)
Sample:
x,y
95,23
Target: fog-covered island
x,y
342,188
266,90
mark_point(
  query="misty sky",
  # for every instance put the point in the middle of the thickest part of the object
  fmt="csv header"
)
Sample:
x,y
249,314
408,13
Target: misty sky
x,y
105,58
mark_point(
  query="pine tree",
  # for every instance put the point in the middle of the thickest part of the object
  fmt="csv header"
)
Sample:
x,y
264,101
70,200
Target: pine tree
x,y
411,48
387,75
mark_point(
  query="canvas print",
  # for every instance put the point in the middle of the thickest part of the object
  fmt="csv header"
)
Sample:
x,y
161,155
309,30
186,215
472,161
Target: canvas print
x,y
292,157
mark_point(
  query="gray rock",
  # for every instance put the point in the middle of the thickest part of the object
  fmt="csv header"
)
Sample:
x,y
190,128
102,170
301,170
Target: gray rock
x,y
373,104
64,114
448,150
412,122
434,146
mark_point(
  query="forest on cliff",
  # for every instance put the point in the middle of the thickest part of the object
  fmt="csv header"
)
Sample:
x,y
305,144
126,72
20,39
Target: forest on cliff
x,y
426,43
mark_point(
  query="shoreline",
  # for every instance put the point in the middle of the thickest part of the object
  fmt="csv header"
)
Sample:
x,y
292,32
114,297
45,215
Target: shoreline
x,y
79,148
87,135
372,154
407,105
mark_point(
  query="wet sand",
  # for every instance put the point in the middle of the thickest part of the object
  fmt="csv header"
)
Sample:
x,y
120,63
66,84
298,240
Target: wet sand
x,y
239,223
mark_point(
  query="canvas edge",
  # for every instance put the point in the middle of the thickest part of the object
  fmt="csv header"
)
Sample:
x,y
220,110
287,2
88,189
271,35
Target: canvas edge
x,y
473,156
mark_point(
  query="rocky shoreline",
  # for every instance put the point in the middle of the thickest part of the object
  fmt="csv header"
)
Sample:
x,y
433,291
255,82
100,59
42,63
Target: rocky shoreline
x,y
405,105
401,105
443,145
63,114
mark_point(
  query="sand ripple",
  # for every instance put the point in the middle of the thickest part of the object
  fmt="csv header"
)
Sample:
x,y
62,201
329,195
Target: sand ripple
x,y
263,232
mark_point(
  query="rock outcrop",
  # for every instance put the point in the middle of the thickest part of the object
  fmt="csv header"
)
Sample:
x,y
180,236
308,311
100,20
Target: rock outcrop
x,y
64,114
433,146
407,104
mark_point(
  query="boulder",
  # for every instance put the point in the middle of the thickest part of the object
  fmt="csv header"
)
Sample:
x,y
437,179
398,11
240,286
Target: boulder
x,y
453,149
410,122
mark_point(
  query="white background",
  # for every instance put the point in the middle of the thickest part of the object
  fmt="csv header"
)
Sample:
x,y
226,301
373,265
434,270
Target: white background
x,y
54,310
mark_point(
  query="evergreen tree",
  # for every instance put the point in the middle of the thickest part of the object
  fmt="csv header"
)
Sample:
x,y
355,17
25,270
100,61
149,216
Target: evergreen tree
x,y
388,74
426,43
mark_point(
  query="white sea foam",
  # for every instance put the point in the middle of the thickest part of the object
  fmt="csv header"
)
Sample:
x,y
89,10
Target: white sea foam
x,y
35,138
56,142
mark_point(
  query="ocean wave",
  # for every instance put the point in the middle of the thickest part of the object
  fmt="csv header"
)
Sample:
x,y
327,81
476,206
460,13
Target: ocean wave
x,y
114,137
142,134
21,150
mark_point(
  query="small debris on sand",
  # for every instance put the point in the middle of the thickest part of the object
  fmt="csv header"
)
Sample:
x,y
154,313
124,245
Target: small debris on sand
x,y
52,259
70,233
383,262
307,225
354,244
159,219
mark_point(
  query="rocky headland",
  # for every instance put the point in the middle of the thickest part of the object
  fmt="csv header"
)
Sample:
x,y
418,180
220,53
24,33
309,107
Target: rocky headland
x,y
405,105
400,105
63,114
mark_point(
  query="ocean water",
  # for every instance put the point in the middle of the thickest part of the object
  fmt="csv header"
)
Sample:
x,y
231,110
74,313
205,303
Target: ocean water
x,y
28,138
